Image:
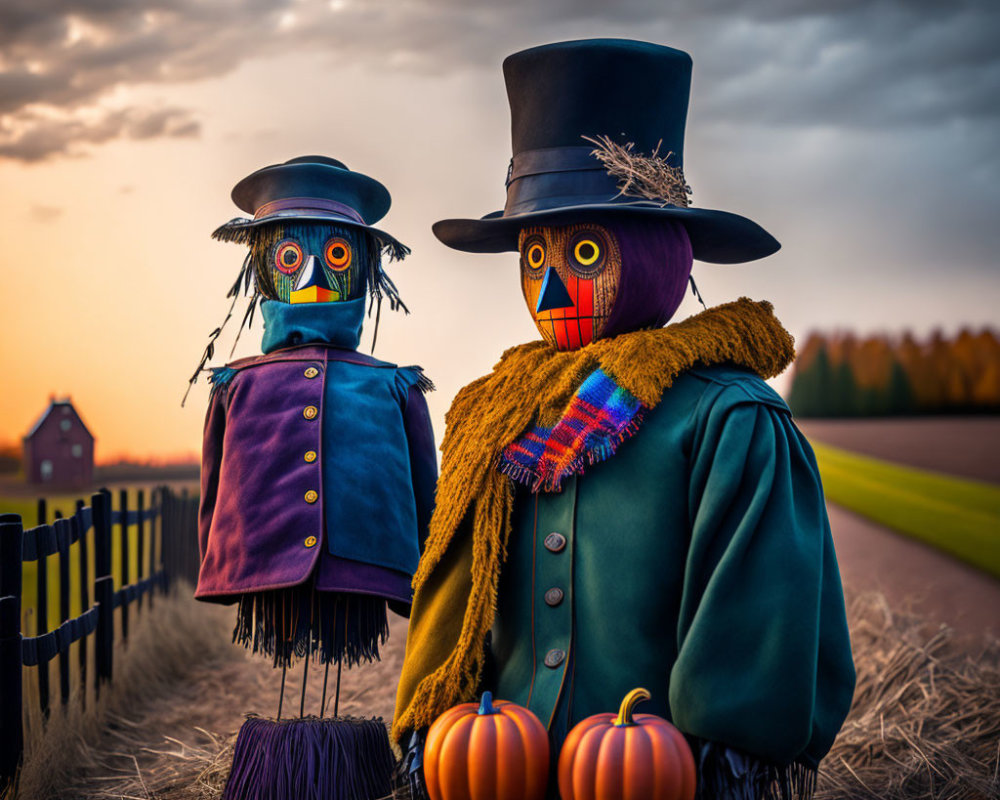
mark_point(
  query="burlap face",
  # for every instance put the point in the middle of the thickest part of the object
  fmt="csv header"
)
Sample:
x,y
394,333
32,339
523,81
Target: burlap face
x,y
575,271
280,254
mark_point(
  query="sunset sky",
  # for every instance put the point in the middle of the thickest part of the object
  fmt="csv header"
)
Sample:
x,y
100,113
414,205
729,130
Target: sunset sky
x,y
862,134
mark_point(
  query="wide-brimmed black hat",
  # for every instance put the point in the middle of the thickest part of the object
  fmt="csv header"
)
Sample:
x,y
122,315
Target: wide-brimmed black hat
x,y
311,188
597,128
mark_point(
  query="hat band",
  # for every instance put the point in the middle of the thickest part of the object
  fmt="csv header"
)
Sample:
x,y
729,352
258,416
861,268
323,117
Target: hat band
x,y
307,205
554,177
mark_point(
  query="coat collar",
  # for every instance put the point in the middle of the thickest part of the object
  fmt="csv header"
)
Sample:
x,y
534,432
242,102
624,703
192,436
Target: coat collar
x,y
291,324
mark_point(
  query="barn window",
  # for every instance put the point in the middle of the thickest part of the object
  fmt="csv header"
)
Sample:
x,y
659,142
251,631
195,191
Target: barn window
x,y
77,450
65,424
46,470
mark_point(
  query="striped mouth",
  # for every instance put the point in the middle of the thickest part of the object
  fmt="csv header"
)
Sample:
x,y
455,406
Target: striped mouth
x,y
568,332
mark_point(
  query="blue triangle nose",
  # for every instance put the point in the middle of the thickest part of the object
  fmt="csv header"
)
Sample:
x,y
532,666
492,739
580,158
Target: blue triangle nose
x,y
553,294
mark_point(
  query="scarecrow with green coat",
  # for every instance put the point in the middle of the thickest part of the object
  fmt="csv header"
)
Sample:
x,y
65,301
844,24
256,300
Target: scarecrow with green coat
x,y
625,504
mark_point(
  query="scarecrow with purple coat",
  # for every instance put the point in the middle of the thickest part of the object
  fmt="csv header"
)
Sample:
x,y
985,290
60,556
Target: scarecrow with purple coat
x,y
318,471
623,504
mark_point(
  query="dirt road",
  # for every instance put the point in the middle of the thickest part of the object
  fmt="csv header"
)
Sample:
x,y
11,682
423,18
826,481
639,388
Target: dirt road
x,y
915,576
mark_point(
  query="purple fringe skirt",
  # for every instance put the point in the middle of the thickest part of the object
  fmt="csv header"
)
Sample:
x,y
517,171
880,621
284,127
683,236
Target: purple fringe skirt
x,y
345,758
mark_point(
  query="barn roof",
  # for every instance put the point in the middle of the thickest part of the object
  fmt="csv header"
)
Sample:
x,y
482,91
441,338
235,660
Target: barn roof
x,y
53,405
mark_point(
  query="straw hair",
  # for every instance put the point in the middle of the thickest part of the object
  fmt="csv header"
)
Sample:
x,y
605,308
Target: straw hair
x,y
649,177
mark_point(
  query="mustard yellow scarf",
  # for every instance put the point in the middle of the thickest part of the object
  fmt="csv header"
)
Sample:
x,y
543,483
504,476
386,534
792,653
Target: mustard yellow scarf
x,y
456,582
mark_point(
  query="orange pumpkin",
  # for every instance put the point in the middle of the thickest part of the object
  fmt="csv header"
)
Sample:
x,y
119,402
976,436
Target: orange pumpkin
x,y
626,758
487,751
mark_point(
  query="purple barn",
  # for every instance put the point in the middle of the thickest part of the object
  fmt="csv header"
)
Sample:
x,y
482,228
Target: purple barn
x,y
59,450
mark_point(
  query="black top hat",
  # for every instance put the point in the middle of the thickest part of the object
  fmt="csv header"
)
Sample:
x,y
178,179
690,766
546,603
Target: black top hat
x,y
574,103
311,188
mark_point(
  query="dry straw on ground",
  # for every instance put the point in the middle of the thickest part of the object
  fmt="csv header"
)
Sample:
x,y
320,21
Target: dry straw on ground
x,y
925,722
926,716
68,756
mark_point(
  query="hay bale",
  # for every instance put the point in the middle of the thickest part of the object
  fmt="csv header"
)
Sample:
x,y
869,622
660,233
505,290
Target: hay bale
x,y
925,722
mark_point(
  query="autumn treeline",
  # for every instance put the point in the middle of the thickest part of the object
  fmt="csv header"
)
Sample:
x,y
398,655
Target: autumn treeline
x,y
842,375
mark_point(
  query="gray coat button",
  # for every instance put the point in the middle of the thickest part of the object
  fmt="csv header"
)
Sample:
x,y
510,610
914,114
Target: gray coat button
x,y
554,658
555,542
554,596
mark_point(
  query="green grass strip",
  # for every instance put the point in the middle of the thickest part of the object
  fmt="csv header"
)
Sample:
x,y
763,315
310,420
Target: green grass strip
x,y
960,517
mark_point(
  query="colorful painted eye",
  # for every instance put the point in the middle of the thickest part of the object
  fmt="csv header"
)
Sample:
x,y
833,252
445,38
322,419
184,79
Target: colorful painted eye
x,y
533,253
288,256
586,253
338,254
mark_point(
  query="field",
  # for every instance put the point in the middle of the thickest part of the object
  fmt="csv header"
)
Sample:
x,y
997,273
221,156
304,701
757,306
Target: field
x,y
17,499
964,447
958,516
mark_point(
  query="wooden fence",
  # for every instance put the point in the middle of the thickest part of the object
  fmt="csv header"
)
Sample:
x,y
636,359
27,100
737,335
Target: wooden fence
x,y
166,549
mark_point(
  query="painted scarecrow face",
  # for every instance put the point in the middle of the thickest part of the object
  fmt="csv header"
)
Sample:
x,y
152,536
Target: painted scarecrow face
x,y
309,262
569,277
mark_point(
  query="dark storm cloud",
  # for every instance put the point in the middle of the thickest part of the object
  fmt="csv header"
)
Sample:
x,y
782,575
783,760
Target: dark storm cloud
x,y
35,138
845,63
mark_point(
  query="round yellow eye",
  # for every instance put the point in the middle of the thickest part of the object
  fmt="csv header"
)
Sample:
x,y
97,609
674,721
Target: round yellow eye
x,y
536,256
586,252
338,254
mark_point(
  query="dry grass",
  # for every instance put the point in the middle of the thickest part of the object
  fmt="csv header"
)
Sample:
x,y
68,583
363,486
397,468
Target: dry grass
x,y
76,745
181,747
926,716
925,722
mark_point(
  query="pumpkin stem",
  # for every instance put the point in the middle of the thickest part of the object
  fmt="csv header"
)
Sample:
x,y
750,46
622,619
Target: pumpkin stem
x,y
632,699
486,704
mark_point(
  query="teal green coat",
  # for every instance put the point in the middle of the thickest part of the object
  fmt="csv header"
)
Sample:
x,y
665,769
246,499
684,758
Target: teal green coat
x,y
698,564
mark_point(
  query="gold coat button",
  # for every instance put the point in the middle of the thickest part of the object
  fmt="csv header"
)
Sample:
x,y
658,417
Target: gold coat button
x,y
310,541
311,372
312,496
310,412
310,456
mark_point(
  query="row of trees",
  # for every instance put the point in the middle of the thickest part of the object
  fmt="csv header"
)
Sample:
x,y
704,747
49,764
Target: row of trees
x,y
842,375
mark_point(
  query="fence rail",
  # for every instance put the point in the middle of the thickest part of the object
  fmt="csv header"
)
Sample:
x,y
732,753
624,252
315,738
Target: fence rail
x,y
166,549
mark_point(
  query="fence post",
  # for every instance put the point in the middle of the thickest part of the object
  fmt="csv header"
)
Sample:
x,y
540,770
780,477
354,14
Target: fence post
x,y
42,613
104,590
123,529
82,552
140,546
156,503
166,532
62,528
11,734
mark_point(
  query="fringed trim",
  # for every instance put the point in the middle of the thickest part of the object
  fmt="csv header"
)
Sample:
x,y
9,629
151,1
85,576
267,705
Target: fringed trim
x,y
342,758
539,481
298,622
415,376
457,679
725,773
219,379
239,230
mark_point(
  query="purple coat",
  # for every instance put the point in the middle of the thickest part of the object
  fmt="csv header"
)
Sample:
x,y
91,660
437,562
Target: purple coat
x,y
316,459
